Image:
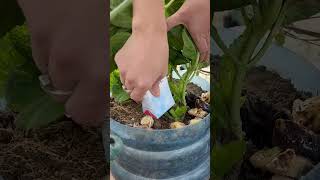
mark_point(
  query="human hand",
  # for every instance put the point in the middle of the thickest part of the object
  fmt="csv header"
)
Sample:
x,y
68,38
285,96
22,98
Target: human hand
x,y
70,47
195,16
143,60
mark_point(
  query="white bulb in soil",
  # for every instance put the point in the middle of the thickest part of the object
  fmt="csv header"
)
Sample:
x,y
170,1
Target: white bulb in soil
x,y
176,125
205,97
197,112
147,121
194,121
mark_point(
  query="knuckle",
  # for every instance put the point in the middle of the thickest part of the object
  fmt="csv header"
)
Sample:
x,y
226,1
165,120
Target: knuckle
x,y
130,80
142,84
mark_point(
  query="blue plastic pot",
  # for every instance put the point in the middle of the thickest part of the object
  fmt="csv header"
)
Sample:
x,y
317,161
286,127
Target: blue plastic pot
x,y
314,174
175,154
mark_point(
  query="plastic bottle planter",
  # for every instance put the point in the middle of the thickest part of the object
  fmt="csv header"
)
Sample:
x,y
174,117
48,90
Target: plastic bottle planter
x,y
163,154
175,154
115,147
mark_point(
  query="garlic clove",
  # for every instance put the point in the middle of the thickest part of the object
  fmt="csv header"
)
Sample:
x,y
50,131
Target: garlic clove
x,y
205,97
176,125
194,121
147,121
197,112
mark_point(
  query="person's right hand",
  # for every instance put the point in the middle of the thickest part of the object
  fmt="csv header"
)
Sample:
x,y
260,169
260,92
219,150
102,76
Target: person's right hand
x,y
143,62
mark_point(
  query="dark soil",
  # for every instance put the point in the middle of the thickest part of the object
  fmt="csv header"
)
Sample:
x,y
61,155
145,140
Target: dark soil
x,y
268,97
130,113
61,151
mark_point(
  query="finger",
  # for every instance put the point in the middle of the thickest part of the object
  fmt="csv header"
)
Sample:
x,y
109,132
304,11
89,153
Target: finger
x,y
155,90
137,94
88,103
202,43
204,56
173,21
129,83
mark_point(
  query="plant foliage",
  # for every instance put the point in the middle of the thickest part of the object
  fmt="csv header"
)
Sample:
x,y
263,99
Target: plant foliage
x,y
264,21
19,84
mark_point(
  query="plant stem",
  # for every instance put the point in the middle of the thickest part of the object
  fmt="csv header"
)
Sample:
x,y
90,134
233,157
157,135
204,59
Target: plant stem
x,y
245,16
275,28
222,45
236,124
114,13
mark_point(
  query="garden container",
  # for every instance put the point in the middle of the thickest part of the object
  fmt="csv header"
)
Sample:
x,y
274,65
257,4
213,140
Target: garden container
x,y
163,154
314,174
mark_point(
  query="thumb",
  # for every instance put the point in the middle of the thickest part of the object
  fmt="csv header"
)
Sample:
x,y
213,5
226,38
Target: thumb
x,y
155,90
174,21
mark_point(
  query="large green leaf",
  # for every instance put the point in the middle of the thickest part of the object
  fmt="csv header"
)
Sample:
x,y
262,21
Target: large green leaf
x,y
175,39
224,157
176,58
9,60
115,3
121,19
23,87
39,113
10,15
189,49
21,40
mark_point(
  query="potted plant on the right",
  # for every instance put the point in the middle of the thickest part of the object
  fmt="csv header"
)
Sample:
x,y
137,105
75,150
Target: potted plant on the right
x,y
264,22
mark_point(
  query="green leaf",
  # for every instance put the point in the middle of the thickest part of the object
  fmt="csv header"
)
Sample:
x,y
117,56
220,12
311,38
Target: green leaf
x,y
115,3
224,157
173,7
116,88
178,112
176,58
39,113
123,17
21,40
9,60
189,49
23,87
175,38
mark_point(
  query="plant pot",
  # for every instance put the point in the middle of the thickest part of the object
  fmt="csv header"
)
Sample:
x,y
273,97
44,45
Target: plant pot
x,y
314,174
162,154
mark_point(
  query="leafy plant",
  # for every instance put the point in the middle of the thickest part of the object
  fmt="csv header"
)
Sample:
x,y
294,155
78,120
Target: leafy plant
x,y
182,51
19,84
264,22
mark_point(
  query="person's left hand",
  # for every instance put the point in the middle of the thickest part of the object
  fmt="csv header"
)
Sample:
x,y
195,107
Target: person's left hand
x,y
195,15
